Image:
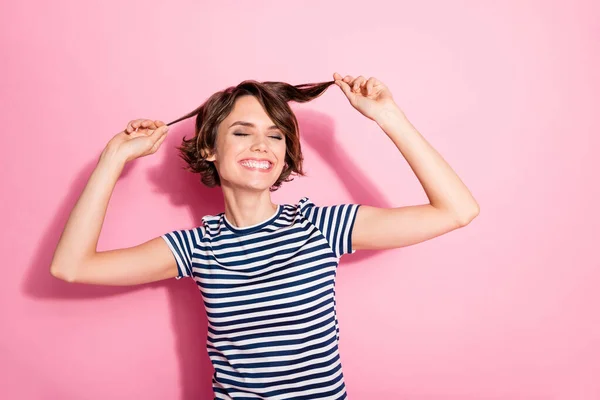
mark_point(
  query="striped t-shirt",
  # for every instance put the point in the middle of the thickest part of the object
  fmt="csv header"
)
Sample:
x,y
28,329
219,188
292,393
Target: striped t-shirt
x,y
268,290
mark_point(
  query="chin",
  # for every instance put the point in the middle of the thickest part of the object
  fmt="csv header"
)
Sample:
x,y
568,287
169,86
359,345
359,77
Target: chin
x,y
252,181
257,185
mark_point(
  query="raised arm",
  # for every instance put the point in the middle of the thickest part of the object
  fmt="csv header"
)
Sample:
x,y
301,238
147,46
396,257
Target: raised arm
x,y
451,204
76,258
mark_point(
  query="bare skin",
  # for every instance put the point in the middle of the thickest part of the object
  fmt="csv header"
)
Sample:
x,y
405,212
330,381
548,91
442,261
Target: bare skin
x,y
246,184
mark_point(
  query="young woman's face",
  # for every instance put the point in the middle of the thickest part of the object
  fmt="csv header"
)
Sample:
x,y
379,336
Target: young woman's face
x,y
250,149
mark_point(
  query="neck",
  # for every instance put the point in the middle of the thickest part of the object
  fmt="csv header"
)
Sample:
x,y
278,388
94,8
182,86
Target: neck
x,y
247,208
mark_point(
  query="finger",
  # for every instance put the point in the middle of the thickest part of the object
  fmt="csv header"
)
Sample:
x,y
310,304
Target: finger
x,y
370,83
158,133
156,145
159,123
357,83
377,84
336,76
137,123
348,79
148,124
345,88
130,127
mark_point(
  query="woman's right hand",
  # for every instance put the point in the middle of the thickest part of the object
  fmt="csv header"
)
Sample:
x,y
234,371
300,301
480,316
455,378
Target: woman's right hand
x,y
140,138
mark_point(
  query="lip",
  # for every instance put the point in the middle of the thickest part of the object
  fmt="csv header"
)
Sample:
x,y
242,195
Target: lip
x,y
259,160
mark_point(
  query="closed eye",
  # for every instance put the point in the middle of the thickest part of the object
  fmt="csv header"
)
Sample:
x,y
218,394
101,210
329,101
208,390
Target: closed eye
x,y
246,134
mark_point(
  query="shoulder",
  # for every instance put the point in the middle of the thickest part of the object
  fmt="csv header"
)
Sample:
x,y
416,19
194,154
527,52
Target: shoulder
x,y
213,225
210,225
304,204
307,207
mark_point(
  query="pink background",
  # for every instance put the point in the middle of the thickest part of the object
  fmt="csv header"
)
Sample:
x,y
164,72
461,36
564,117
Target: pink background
x,y
506,308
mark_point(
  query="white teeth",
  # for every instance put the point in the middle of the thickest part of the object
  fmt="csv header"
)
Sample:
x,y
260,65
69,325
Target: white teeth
x,y
256,164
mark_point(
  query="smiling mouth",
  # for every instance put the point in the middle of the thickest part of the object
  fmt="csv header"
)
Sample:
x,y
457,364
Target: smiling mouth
x,y
262,166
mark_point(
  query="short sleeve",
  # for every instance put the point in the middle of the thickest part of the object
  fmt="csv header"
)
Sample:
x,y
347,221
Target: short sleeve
x,y
183,244
335,222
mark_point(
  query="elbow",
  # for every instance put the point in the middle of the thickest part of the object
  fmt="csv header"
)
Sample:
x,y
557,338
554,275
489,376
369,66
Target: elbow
x,y
61,274
465,218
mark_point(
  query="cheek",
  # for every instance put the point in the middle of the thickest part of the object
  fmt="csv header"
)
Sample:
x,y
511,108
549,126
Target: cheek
x,y
281,151
229,151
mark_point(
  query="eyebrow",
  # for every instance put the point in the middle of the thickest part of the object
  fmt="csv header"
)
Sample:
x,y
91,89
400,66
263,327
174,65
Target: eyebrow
x,y
251,125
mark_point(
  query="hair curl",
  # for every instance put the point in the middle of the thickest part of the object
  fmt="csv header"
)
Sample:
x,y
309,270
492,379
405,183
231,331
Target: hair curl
x,y
274,98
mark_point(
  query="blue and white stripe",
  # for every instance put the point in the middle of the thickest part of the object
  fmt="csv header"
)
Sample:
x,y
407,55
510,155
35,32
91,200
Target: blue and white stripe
x,y
268,290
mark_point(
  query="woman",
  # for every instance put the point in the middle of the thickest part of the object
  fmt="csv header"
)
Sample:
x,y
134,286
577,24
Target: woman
x,y
266,271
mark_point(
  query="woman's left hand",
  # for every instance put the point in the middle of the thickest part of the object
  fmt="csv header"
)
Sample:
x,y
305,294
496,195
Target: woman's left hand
x,y
369,96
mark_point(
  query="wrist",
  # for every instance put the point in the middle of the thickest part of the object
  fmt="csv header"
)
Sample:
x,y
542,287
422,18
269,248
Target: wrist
x,y
112,159
390,115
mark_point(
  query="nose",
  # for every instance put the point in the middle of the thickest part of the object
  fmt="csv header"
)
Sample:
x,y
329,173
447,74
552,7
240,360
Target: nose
x,y
259,144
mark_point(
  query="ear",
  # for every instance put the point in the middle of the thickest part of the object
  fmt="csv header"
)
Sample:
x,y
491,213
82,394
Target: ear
x,y
209,156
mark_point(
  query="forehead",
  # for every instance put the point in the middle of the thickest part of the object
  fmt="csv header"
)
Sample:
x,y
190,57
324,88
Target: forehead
x,y
248,108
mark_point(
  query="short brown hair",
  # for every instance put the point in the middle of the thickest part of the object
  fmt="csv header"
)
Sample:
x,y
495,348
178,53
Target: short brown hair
x,y
274,97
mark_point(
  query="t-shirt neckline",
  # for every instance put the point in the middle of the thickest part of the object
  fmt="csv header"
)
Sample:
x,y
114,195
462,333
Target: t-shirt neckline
x,y
255,227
